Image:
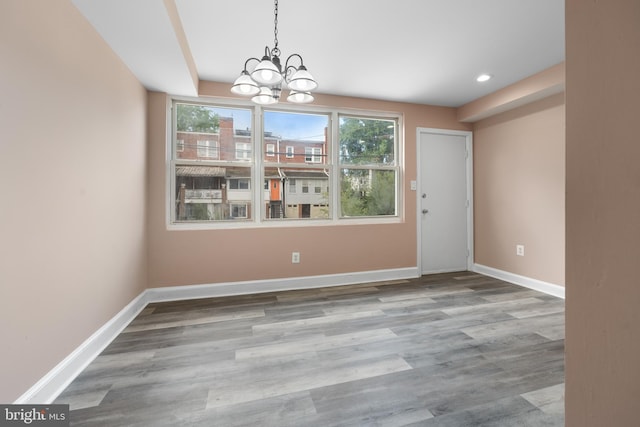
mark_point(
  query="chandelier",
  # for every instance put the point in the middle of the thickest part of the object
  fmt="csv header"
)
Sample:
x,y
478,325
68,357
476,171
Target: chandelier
x,y
264,83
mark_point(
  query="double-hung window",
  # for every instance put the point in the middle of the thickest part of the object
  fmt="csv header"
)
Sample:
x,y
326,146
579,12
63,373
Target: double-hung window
x,y
368,166
271,150
243,151
208,149
211,164
305,137
313,154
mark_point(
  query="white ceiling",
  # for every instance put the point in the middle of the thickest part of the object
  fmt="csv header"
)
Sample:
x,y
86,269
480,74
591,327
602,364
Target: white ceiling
x,y
421,51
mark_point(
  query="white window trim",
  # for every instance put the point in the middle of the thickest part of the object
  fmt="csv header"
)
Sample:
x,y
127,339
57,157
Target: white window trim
x,y
210,147
271,149
257,168
239,179
313,155
237,205
291,153
245,154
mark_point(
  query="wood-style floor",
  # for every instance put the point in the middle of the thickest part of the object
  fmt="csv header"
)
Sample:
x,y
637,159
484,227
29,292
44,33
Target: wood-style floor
x,y
453,350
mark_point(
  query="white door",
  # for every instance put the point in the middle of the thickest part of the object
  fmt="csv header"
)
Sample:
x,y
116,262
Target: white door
x,y
444,201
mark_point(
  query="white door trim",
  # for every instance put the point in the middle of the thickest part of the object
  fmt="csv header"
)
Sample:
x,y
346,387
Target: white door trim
x,y
469,163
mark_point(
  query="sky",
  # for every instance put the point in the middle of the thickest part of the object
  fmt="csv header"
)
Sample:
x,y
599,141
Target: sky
x,y
309,127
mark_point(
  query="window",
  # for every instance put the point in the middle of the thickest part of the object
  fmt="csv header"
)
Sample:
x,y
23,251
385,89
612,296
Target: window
x,y
301,133
368,167
243,151
331,166
239,184
271,150
238,210
208,149
203,166
313,154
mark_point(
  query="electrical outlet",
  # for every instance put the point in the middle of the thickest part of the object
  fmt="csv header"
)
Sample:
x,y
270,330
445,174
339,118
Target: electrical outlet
x,y
520,250
295,257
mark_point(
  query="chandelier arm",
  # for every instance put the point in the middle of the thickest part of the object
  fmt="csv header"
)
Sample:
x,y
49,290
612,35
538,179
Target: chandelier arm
x,y
288,72
247,63
291,56
287,67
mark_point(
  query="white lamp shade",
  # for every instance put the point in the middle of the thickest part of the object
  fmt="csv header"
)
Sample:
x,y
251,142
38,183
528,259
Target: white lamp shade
x,y
245,86
265,97
266,73
300,97
302,81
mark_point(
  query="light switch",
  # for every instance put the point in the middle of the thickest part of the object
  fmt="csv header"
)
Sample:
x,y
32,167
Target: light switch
x,y
413,185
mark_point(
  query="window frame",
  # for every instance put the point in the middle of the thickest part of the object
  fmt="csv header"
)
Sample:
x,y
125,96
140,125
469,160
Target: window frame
x,y
245,154
270,149
208,146
238,181
396,166
313,155
238,205
257,159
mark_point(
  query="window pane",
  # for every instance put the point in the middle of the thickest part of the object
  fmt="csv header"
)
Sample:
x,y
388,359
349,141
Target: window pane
x,y
300,140
367,192
205,133
243,151
297,138
297,193
366,141
212,193
271,150
208,149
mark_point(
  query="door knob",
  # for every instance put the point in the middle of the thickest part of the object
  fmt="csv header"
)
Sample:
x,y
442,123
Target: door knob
x,y
424,211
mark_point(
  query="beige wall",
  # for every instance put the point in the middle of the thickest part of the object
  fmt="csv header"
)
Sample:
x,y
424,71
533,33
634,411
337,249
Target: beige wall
x,y
215,256
72,215
603,213
519,167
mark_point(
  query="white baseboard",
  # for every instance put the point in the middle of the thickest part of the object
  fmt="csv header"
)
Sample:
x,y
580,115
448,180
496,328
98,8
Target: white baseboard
x,y
175,293
47,389
516,279
55,381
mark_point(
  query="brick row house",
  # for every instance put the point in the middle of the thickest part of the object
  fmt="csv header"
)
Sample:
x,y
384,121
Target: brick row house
x,y
214,180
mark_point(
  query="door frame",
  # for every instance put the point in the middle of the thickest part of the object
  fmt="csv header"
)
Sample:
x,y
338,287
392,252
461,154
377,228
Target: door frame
x,y
469,166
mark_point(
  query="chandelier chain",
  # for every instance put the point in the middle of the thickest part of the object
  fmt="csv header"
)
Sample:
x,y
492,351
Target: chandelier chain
x,y
276,51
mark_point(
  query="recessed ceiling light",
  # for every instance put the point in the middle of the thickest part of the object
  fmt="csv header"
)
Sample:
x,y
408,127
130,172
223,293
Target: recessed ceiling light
x,y
483,77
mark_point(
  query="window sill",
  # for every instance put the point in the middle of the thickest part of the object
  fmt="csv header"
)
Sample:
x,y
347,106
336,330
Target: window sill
x,y
292,223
